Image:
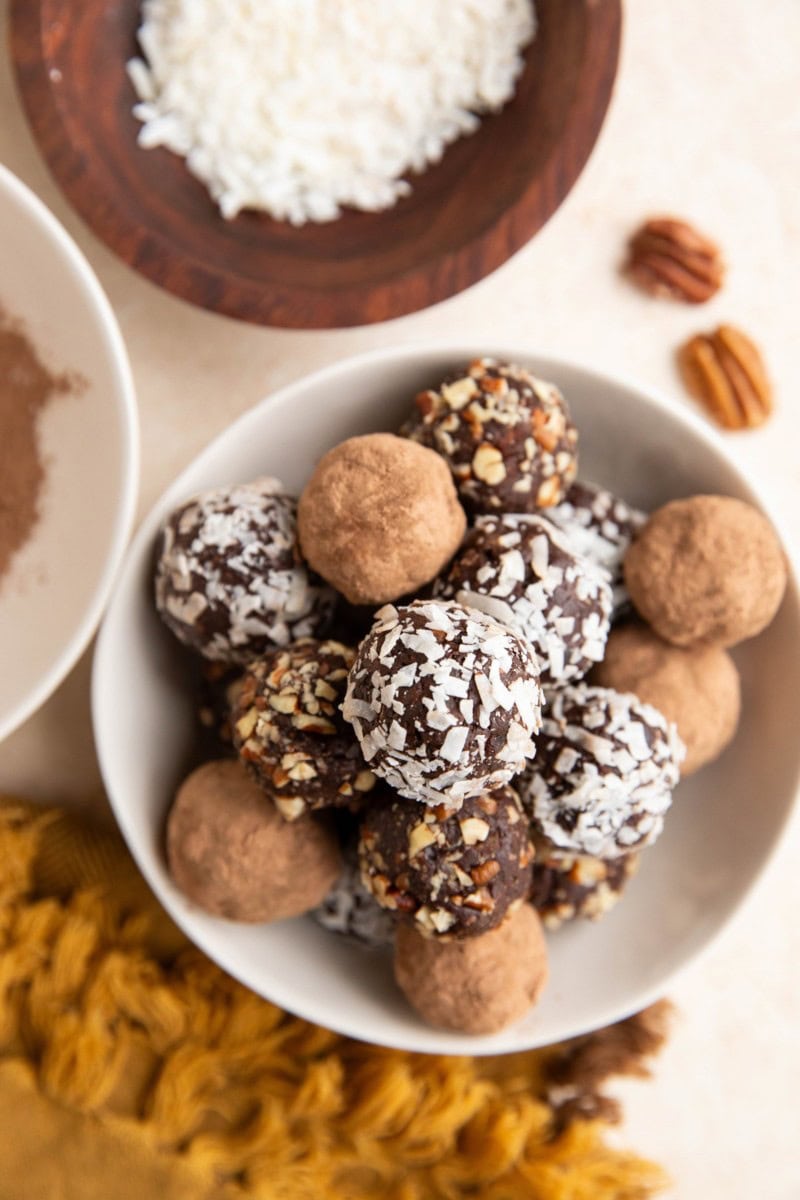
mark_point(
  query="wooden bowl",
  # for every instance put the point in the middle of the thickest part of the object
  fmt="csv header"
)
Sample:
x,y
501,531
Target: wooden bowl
x,y
490,193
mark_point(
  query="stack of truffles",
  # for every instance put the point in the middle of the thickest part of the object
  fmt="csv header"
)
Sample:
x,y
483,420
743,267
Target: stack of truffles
x,y
451,688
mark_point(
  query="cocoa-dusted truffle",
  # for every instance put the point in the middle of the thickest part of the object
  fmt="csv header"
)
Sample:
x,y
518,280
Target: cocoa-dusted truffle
x,y
288,729
566,886
351,910
455,874
706,570
231,852
600,526
379,517
520,570
698,689
605,768
230,582
506,435
444,701
476,985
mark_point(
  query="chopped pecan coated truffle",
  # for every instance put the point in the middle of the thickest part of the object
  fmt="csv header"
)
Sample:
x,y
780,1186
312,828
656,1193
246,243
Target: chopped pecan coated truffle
x,y
507,436
455,874
566,886
288,729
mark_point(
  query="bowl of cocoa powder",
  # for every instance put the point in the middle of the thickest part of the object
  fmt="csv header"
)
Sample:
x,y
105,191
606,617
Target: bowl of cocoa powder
x,y
68,452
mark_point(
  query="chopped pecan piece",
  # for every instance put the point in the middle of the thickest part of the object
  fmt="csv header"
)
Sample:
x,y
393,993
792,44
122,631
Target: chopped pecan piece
x,y
485,872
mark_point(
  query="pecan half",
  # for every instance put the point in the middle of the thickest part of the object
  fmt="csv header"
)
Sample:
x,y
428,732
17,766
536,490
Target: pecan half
x,y
724,370
669,257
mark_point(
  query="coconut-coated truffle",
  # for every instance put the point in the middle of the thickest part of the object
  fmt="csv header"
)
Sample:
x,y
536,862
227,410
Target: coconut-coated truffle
x,y
453,874
605,768
230,582
706,570
379,517
289,731
600,526
231,852
507,436
444,701
479,984
698,689
351,910
521,571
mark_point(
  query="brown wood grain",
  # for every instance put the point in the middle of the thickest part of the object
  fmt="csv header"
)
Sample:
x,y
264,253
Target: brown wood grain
x,y
465,216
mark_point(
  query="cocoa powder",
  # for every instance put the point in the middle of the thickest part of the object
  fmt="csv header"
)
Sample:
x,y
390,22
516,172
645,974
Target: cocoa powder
x,y
25,388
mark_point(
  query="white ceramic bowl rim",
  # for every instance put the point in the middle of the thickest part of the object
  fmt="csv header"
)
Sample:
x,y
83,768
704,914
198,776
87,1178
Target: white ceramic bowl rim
x,y
110,334
456,351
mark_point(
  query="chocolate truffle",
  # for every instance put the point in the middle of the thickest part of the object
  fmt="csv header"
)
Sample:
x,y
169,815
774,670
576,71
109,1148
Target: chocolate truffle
x,y
288,729
230,582
600,526
566,886
217,689
706,570
351,910
477,985
520,570
507,436
605,768
444,701
697,689
230,851
455,874
379,518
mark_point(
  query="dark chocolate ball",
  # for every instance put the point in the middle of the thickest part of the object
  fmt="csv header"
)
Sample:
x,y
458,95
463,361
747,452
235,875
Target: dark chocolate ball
x,y
566,886
444,701
230,582
522,572
507,436
455,874
600,526
217,686
288,729
605,768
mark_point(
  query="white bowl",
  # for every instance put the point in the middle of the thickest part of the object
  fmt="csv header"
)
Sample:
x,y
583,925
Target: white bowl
x,y
54,593
724,823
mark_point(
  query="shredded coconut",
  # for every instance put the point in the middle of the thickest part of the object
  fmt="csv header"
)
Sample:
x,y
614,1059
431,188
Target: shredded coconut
x,y
350,908
229,580
523,572
600,527
606,767
301,107
438,692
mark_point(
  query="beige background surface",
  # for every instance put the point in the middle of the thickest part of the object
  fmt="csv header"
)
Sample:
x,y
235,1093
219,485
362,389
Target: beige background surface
x,y
705,122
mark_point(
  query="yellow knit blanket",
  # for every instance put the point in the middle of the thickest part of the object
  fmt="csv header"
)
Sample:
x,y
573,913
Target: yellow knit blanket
x,y
131,1067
